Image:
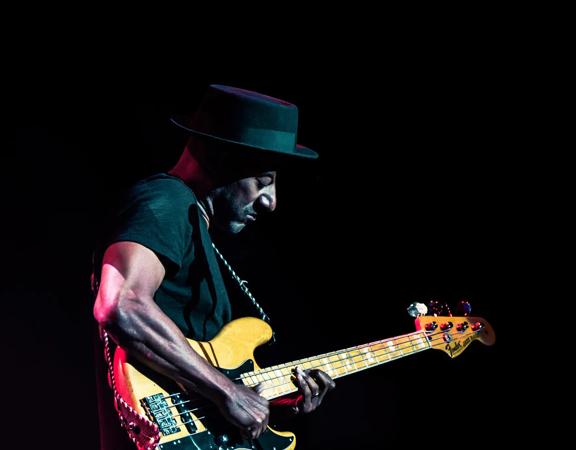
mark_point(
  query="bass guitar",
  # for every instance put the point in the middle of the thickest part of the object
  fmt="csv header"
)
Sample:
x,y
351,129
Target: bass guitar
x,y
157,414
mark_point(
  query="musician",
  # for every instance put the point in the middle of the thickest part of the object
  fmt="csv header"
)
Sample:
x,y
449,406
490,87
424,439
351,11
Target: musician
x,y
160,279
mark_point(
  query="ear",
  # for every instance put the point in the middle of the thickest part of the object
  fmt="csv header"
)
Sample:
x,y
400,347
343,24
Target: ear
x,y
210,156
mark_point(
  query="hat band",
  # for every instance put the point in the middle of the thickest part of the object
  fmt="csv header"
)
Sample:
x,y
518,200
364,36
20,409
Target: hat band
x,y
265,138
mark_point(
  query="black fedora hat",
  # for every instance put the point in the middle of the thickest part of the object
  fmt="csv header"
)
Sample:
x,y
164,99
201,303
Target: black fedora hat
x,y
248,119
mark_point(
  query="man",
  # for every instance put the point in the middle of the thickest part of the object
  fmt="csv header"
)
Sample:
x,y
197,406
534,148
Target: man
x,y
158,272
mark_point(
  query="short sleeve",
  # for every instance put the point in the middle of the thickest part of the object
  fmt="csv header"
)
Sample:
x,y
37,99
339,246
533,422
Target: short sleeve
x,y
156,214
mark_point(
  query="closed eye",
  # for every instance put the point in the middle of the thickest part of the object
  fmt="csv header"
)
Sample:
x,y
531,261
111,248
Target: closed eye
x,y
264,180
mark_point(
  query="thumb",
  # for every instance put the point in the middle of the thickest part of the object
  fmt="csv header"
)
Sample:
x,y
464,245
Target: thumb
x,y
259,388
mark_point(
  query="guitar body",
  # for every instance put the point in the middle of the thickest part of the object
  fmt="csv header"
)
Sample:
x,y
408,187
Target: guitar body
x,y
157,406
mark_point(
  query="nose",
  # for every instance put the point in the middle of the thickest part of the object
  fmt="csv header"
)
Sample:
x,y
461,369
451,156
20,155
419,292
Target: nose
x,y
267,200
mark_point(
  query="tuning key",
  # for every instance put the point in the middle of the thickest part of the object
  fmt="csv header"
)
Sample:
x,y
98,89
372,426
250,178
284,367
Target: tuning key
x,y
477,326
417,309
464,307
435,307
446,326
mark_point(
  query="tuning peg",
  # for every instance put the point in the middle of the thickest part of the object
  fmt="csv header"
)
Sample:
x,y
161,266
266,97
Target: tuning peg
x,y
464,307
417,309
435,307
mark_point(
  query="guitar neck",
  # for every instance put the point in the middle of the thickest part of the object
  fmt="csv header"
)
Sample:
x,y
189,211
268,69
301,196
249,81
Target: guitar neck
x,y
277,379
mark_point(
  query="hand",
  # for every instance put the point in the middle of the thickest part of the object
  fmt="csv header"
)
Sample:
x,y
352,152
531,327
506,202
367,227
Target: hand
x,y
313,384
246,409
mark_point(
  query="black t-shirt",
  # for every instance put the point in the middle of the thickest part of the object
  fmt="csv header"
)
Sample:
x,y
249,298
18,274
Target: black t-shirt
x,y
162,214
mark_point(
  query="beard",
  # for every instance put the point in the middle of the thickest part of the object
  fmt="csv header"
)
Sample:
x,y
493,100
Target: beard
x,y
230,217
235,227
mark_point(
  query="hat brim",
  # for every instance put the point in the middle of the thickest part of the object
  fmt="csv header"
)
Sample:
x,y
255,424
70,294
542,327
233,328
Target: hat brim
x,y
299,151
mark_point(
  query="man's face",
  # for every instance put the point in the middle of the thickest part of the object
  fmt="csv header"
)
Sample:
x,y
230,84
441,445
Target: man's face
x,y
237,204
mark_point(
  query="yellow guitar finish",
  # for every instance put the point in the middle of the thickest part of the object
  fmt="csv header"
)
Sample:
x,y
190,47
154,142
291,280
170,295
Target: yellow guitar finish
x,y
236,342
229,349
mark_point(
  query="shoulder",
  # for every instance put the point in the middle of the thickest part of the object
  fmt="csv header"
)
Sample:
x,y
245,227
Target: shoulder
x,y
162,188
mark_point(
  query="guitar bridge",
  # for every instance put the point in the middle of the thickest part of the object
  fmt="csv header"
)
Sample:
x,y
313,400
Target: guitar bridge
x,y
163,414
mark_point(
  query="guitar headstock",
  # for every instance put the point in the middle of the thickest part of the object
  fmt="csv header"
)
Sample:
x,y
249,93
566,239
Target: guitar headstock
x,y
452,334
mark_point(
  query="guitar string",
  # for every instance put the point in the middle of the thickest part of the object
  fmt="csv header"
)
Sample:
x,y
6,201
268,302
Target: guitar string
x,y
376,354
408,339
335,366
293,388
405,339
210,406
403,345
399,341
272,369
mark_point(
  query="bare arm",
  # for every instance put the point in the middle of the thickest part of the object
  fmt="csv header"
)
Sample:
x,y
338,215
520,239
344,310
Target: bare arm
x,y
125,308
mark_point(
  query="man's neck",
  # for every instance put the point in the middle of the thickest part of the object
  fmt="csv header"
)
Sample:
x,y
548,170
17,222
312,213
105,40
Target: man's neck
x,y
200,190
189,170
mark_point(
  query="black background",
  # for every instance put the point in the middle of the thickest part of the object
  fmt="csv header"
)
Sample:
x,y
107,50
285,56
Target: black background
x,y
410,201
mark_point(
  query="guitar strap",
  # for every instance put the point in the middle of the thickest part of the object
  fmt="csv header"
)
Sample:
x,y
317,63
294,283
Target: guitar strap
x,y
242,283
206,242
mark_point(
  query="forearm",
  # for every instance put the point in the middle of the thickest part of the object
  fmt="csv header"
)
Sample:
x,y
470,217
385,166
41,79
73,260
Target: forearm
x,y
147,334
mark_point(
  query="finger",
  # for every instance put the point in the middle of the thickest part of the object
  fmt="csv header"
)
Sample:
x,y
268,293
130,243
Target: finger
x,y
254,430
325,382
264,418
258,429
303,388
260,388
312,384
309,389
260,402
261,424
323,378
265,424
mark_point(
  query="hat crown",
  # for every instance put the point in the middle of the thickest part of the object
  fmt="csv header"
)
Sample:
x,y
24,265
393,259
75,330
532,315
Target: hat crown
x,y
248,118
